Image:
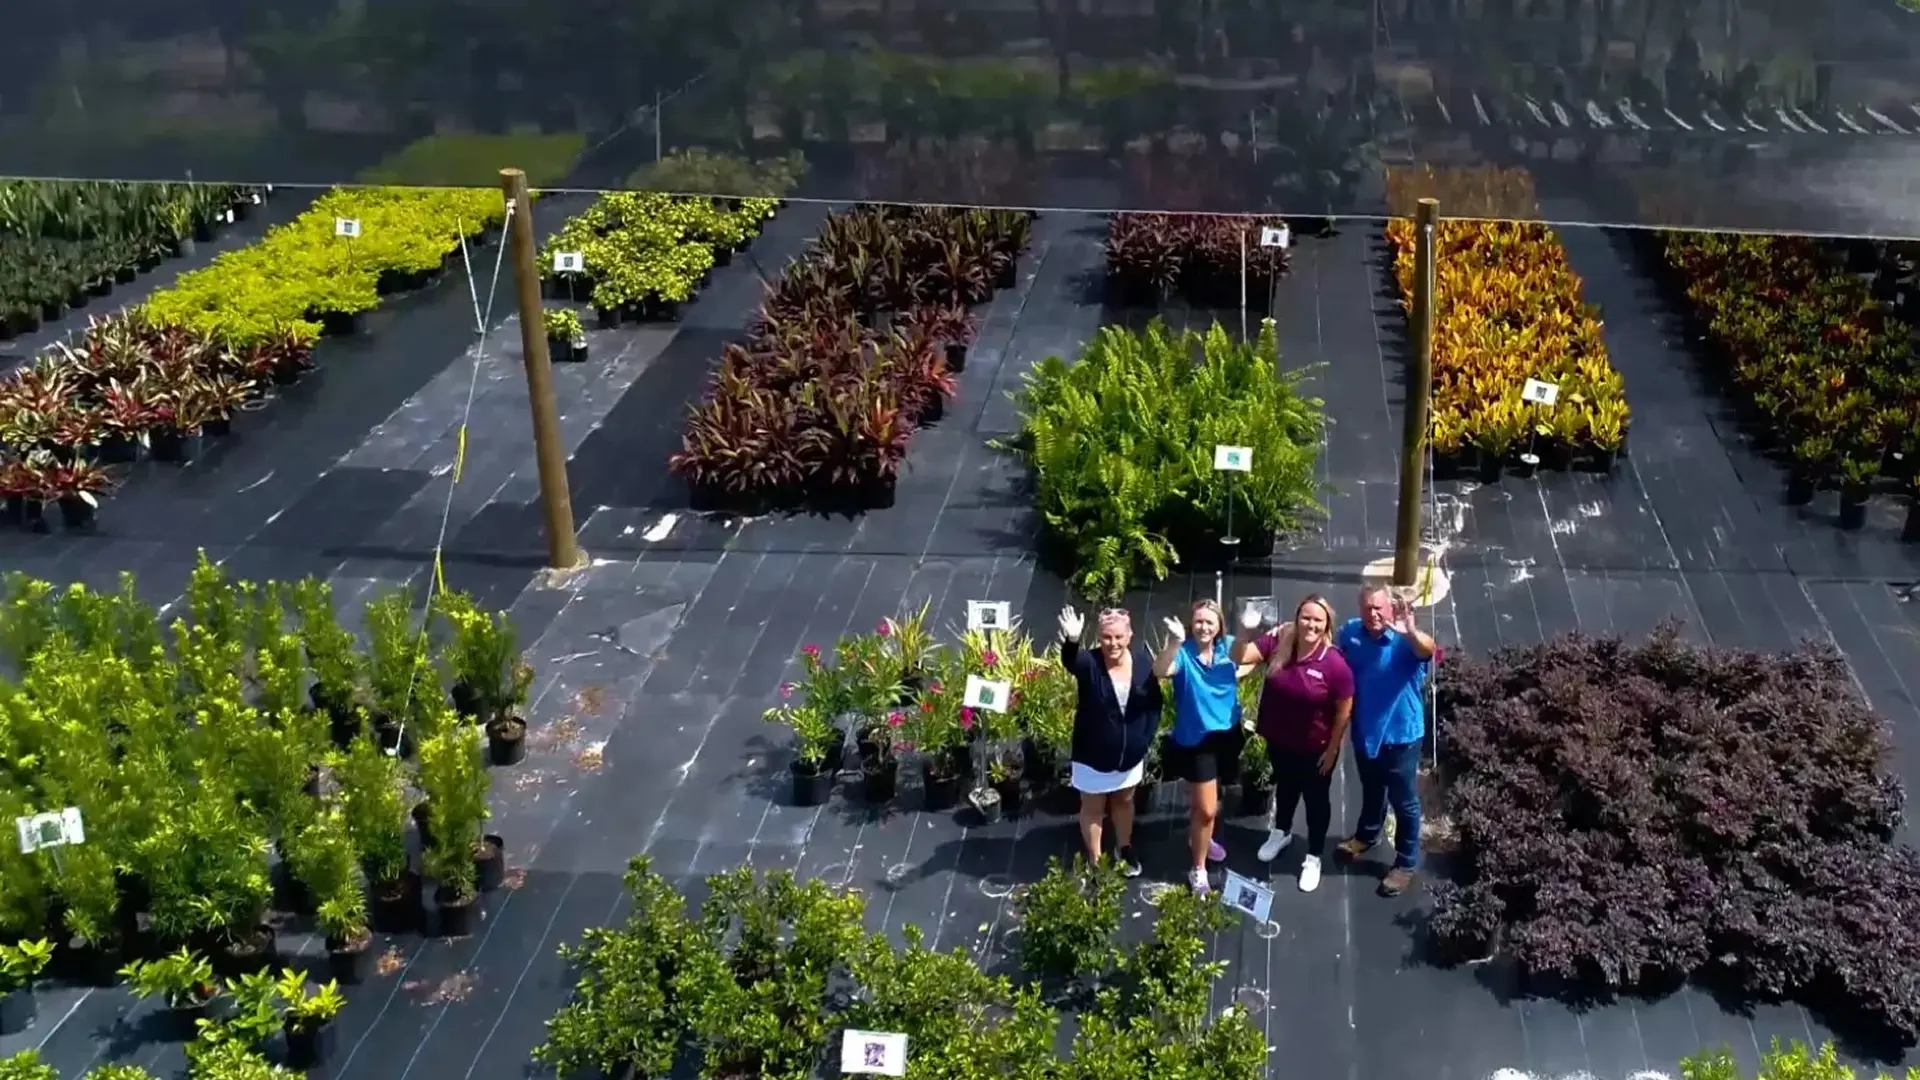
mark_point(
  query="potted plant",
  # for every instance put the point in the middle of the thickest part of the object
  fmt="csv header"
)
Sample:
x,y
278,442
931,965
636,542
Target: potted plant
x,y
566,337
26,1065
327,866
911,643
1857,473
937,727
880,767
309,1019
1256,778
373,801
1069,919
334,659
399,662
490,678
251,1016
91,911
460,858
1812,462
182,979
20,965
815,738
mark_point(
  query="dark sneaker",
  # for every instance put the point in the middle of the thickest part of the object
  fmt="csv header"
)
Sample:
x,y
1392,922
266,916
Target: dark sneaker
x,y
1129,865
1351,849
1398,880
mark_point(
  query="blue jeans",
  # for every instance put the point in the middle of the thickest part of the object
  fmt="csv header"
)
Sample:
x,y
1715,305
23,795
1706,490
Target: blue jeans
x,y
1391,778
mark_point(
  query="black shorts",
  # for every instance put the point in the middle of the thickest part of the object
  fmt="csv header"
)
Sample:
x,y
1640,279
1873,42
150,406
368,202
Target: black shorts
x,y
1215,755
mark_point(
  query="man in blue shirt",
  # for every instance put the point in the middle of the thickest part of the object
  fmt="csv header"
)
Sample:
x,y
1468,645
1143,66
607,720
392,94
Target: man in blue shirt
x,y
1390,658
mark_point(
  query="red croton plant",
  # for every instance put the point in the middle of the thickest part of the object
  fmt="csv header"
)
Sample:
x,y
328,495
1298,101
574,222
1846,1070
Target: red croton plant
x,y
847,356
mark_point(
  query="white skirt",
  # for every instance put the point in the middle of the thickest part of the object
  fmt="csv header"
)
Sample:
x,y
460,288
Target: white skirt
x,y
1093,782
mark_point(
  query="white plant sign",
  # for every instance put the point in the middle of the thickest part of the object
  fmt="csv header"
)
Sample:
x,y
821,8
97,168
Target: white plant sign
x,y
569,262
877,1053
1275,236
988,694
1540,393
989,615
347,227
1247,895
1233,459
54,829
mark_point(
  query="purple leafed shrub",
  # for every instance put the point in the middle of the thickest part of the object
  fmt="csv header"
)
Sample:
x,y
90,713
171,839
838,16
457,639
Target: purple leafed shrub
x,y
1630,816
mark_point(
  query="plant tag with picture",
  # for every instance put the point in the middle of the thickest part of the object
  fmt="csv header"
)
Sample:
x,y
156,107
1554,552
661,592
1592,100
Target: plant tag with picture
x,y
569,262
988,694
1233,459
347,227
879,1053
989,615
1247,895
58,828
1275,236
1540,393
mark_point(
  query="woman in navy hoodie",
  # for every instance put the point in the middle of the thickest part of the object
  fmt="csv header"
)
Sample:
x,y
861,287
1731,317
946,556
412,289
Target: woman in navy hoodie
x,y
1115,718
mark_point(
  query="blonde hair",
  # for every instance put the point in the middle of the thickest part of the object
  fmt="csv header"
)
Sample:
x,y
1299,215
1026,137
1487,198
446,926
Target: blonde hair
x,y
1116,618
1326,609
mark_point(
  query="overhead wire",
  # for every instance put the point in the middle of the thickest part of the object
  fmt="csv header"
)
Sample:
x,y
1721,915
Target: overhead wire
x,y
483,329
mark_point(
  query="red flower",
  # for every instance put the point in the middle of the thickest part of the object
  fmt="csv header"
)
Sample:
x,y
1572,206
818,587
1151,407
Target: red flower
x,y
894,719
886,628
990,658
934,687
786,689
926,706
810,650
966,719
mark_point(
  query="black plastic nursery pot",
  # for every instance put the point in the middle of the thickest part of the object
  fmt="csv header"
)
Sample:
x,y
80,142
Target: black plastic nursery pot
x,y
608,318
1488,467
507,741
339,323
812,784
91,964
457,913
956,354
397,906
880,780
490,863
1911,532
77,514
1853,505
1012,796
308,1047
249,953
1556,456
349,961
942,790
1801,484
17,1010
177,447
1255,799
183,1017
32,515
117,450
986,803
1602,461
1526,465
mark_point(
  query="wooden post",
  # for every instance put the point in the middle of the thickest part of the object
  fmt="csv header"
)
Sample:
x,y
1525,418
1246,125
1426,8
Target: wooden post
x,y
1413,442
563,550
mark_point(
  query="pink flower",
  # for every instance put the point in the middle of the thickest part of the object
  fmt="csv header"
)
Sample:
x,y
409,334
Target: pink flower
x,y
934,687
906,747
810,650
886,628
786,689
990,658
895,719
966,719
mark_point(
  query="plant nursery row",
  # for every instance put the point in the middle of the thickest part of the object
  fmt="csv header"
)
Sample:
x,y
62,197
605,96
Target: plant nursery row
x,y
1206,259
1827,371
1121,442
64,245
251,757
1508,308
1634,816
770,975
642,255
899,693
854,349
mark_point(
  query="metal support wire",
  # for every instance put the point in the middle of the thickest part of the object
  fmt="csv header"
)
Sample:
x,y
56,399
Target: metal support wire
x,y
483,322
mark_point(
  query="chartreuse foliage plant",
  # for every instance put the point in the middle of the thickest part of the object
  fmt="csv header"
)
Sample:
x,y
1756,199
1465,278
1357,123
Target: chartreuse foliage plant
x,y
1121,446
703,172
1631,815
643,246
302,270
770,971
1794,1061
1508,308
462,159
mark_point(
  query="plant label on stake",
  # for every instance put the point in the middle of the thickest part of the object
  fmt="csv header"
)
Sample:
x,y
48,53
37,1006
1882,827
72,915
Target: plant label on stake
x,y
347,228
51,830
989,615
1275,236
879,1053
1249,896
1233,459
988,694
569,262
1540,393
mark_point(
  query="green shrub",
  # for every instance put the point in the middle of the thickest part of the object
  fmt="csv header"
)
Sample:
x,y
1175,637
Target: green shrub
x,y
1121,445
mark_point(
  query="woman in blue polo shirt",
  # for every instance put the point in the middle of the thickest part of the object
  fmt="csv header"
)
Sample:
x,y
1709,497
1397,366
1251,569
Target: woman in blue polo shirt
x,y
1206,739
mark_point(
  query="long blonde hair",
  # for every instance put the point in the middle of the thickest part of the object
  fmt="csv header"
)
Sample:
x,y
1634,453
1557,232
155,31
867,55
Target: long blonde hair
x,y
1326,609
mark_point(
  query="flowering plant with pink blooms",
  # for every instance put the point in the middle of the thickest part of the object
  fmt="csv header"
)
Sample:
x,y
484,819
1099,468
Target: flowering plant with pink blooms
x,y
938,720
821,684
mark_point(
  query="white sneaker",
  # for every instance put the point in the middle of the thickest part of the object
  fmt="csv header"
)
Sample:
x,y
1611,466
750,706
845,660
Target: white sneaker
x,y
1277,842
1197,881
1310,873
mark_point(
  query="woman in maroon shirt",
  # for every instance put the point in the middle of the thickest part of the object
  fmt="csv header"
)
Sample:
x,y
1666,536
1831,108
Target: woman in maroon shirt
x,y
1304,711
